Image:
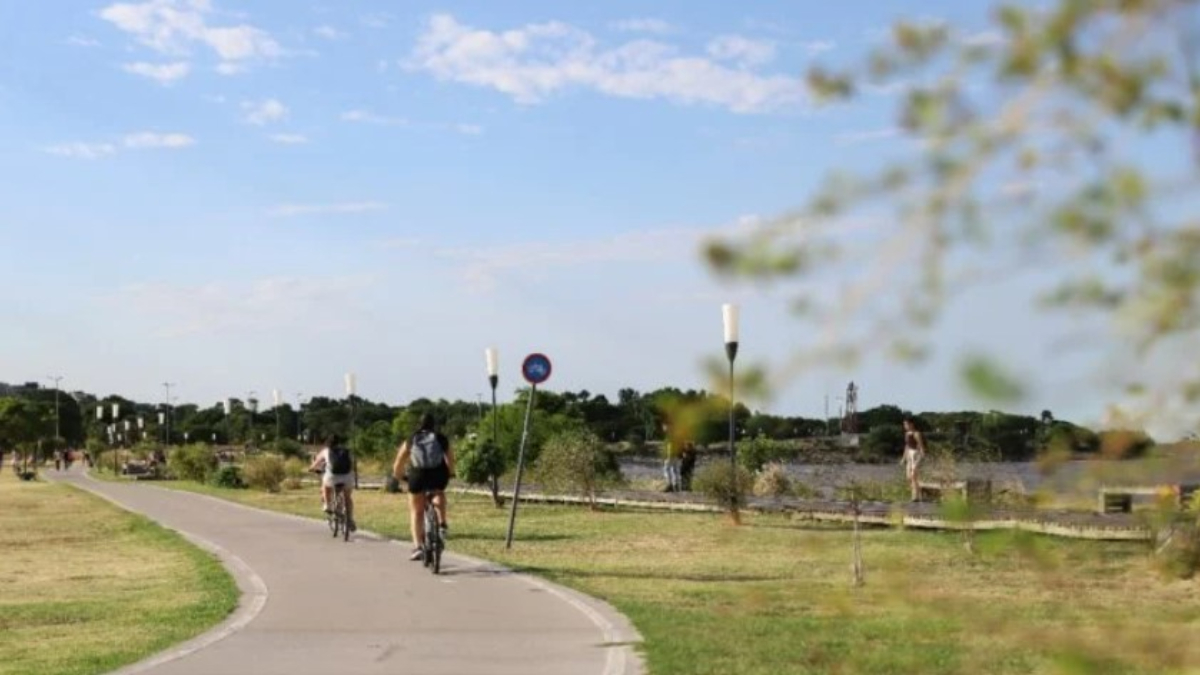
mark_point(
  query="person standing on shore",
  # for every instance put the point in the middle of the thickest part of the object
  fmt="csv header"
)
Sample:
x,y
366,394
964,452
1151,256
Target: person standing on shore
x,y
914,452
671,462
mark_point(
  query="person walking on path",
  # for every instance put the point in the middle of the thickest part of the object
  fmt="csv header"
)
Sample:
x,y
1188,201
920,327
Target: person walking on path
x,y
914,452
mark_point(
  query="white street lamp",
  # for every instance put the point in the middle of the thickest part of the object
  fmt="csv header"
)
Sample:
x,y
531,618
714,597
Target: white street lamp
x,y
729,314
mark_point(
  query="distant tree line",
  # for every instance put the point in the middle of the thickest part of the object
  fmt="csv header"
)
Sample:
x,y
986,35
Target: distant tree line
x,y
635,420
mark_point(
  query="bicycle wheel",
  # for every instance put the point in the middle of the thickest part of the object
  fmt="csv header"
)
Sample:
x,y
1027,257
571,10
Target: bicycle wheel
x,y
338,511
345,517
430,536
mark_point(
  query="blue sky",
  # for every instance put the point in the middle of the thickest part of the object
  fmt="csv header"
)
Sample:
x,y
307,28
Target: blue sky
x,y
237,196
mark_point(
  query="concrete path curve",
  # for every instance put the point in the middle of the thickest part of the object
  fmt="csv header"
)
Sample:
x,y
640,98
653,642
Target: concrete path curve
x,y
312,604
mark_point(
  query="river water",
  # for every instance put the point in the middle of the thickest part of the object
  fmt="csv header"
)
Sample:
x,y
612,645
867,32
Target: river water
x,y
1075,477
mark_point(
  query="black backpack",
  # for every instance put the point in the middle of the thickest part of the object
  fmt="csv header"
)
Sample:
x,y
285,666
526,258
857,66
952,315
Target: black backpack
x,y
340,461
427,450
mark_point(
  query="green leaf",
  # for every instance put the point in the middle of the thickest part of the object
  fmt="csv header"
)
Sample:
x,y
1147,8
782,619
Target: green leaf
x,y
987,380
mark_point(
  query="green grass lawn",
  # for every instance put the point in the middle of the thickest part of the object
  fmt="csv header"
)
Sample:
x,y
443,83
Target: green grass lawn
x,y
774,595
86,587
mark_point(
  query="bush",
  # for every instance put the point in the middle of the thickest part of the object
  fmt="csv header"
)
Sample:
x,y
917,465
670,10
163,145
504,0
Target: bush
x,y
265,472
294,471
477,461
715,481
760,450
192,462
288,447
772,481
576,461
228,476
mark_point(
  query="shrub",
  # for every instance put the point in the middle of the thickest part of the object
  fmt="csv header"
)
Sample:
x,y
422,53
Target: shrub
x,y
760,450
228,476
265,472
576,461
289,447
477,461
192,462
294,471
772,481
715,481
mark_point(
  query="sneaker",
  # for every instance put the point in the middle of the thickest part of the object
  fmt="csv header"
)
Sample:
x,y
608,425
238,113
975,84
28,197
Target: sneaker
x,y
326,509
417,554
353,526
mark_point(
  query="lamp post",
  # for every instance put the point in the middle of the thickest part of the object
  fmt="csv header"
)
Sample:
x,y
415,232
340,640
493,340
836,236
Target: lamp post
x,y
493,370
351,387
167,402
228,425
57,429
277,397
729,313
251,408
299,398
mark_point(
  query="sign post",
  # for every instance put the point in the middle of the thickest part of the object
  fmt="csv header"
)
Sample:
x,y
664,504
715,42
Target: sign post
x,y
536,369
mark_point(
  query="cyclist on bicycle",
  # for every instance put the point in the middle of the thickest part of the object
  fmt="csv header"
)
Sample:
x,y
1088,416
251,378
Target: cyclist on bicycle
x,y
338,465
426,462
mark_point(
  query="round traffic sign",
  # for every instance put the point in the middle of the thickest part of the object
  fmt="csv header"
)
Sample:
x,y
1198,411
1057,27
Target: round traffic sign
x,y
536,368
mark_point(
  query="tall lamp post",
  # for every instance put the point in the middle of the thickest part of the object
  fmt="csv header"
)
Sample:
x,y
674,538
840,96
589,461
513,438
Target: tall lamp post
x,y
493,371
351,387
299,398
729,313
167,403
277,397
57,428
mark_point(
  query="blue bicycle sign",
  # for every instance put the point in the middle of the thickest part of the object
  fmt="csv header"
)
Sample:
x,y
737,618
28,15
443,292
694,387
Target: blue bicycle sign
x,y
536,368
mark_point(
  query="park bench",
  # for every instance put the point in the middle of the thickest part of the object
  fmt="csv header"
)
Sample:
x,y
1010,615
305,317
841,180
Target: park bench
x,y
1119,498
972,490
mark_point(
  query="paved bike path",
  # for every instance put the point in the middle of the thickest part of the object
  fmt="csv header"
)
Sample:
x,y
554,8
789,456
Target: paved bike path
x,y
313,604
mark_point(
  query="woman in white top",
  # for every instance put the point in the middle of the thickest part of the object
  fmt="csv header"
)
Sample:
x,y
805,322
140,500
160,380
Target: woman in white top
x,y
914,452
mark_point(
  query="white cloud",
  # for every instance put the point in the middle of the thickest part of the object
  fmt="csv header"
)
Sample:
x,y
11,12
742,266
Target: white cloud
x,y
82,150
289,139
264,112
481,267
376,20
329,32
163,73
80,41
221,307
368,117
148,139
537,60
816,47
856,137
174,26
136,141
289,210
643,25
987,38
742,50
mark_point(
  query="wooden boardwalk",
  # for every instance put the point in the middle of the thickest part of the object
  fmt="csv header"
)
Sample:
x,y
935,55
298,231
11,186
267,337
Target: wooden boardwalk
x,y
1072,524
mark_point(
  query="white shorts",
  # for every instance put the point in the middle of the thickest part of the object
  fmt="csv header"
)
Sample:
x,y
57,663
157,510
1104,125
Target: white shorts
x,y
912,459
332,479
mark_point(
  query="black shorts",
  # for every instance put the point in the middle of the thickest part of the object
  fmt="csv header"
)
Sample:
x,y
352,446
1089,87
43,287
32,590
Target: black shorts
x,y
424,480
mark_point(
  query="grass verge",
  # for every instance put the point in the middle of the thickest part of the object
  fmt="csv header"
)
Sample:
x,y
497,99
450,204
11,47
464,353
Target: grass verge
x,y
774,595
87,588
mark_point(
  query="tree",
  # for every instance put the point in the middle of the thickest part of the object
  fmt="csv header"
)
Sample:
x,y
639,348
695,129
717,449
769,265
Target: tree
x,y
1021,156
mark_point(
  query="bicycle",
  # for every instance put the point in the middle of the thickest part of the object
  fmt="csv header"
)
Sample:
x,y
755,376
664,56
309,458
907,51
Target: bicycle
x,y
338,518
433,545
336,515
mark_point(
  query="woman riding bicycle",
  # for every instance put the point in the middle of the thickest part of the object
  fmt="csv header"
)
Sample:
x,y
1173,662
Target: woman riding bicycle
x,y
426,461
